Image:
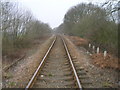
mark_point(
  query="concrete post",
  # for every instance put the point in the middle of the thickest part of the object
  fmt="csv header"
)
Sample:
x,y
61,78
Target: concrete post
x,y
105,54
89,45
98,50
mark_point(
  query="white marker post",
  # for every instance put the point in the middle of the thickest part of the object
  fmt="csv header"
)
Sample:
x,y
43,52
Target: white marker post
x,y
105,54
98,50
89,45
93,48
87,52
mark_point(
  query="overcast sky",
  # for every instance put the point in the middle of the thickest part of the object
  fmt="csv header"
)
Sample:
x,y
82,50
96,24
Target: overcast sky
x,y
52,11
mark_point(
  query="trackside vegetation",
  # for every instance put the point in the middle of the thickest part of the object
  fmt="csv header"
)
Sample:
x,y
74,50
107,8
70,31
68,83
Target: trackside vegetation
x,y
19,27
97,24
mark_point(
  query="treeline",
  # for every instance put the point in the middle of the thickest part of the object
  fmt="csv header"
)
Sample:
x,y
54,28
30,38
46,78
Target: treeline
x,y
19,28
95,23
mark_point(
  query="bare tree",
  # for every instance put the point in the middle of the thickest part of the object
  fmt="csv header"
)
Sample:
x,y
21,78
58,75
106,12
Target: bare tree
x,y
112,7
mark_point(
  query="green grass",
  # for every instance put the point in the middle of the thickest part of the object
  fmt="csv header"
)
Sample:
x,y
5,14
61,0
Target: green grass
x,y
11,84
50,74
107,84
8,75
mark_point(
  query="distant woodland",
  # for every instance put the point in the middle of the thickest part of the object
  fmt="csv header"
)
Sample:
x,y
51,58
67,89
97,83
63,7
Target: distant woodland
x,y
19,27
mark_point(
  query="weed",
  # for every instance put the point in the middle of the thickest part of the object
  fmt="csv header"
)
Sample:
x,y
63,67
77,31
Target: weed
x,y
107,84
11,84
8,75
50,75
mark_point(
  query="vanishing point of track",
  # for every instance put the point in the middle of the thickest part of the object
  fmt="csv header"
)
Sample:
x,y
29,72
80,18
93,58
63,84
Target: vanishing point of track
x,y
56,69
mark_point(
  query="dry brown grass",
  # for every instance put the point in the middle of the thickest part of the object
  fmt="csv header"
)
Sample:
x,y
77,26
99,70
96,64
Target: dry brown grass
x,y
108,62
77,40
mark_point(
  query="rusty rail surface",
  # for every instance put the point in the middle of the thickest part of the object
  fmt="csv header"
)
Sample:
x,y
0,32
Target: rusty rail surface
x,y
73,67
39,67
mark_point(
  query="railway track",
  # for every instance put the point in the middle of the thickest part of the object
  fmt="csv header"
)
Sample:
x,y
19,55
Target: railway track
x,y
57,69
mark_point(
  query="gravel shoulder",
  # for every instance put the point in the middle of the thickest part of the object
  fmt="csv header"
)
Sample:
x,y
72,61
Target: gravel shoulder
x,y
18,76
101,77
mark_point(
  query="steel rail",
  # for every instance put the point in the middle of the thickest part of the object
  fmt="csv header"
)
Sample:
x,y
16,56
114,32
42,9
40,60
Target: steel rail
x,y
74,70
36,72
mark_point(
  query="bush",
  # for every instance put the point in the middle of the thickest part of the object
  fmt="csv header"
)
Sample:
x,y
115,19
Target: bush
x,y
93,23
